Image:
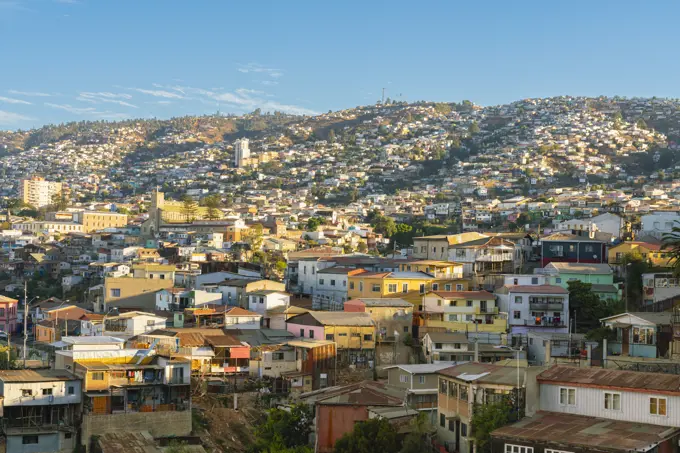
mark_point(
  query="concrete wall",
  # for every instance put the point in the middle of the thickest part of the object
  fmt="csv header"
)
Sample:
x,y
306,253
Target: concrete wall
x,y
159,424
46,443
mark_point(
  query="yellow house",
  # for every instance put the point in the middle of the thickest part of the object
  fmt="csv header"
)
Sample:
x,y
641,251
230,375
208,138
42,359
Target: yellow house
x,y
410,286
353,333
650,252
463,311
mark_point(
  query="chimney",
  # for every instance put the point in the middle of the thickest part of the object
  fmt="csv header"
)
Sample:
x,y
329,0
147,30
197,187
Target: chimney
x,y
548,352
476,350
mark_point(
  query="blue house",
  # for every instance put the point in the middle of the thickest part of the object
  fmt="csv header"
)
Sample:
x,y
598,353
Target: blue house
x,y
640,334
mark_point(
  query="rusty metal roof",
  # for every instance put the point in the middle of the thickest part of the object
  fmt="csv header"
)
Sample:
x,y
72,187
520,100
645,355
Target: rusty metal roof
x,y
618,379
568,430
36,376
222,340
127,442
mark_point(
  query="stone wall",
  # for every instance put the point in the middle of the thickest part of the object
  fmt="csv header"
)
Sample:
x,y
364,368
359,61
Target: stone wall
x,y
159,424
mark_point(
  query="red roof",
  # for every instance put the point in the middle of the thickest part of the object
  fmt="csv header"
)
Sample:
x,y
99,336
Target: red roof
x,y
238,311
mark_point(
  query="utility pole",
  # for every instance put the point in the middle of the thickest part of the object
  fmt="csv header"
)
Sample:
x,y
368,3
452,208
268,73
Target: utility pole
x,y
25,320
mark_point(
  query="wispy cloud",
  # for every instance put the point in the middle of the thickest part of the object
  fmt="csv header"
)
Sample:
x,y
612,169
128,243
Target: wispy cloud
x,y
111,98
72,109
159,93
30,93
13,101
10,118
269,82
258,68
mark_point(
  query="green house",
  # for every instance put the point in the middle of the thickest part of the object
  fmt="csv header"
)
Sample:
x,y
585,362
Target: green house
x,y
601,276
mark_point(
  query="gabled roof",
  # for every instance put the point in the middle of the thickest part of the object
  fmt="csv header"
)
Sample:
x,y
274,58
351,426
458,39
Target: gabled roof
x,y
387,302
36,376
568,237
656,318
424,368
447,337
332,318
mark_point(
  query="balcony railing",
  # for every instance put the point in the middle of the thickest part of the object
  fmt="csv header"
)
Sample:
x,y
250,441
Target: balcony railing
x,y
486,310
495,257
549,322
553,306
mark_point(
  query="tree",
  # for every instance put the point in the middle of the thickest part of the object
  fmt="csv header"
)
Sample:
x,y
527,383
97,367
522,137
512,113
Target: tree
x,y
374,435
420,430
284,429
487,418
641,124
253,237
59,201
362,247
189,208
385,226
281,266
213,204
314,223
474,128
588,306
671,243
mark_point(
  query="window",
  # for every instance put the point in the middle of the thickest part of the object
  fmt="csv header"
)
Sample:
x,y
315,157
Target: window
x,y
468,303
459,287
392,288
355,335
456,345
643,335
311,333
405,329
463,393
321,281
453,318
344,284
47,391
330,337
437,345
657,406
612,401
115,292
403,378
28,440
453,390
439,302
422,288
2,312
442,420
463,429
468,318
421,379
443,386
589,249
516,315
534,280
435,286
558,279
567,396
71,390
351,285
453,303
556,250
518,299
277,356
447,287
509,448
452,425
26,392
98,376
368,337
404,288
375,288
332,282
361,287
302,332
342,334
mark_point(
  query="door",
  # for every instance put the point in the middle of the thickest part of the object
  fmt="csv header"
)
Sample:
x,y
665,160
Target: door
x,y
482,306
625,341
100,405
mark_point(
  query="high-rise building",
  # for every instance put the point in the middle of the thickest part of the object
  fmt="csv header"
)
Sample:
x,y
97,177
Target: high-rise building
x,y
241,152
37,192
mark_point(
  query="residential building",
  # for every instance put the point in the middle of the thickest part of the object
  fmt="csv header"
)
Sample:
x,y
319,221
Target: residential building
x,y
41,410
629,411
452,347
570,248
132,323
659,287
546,348
8,314
315,365
393,318
410,286
462,311
600,276
606,223
650,252
462,388
267,299
487,255
127,292
437,247
640,334
38,192
241,153
353,334
154,271
438,269
235,291
658,223
542,307
420,383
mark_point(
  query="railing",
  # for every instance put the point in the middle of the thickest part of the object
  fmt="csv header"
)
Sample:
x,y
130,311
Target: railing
x,y
495,257
545,323
179,380
557,306
486,310
443,275
424,405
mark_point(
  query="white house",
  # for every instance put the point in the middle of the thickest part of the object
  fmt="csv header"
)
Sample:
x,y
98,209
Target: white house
x,y
264,300
658,223
133,323
238,318
605,223
535,307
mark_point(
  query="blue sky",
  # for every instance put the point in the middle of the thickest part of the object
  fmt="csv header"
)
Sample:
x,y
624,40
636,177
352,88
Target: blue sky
x,y
108,59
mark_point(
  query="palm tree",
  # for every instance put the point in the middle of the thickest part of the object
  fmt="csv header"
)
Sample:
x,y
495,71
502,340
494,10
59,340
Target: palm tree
x,y
671,243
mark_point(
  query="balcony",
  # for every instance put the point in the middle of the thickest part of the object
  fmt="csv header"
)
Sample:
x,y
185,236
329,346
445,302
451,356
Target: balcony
x,y
553,306
548,322
486,310
445,275
495,257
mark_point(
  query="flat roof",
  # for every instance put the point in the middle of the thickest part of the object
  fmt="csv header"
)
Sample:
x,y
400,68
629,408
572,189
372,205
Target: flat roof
x,y
93,340
424,368
564,430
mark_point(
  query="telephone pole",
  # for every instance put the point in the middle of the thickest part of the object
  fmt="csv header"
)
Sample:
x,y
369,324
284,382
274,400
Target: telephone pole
x,y
25,320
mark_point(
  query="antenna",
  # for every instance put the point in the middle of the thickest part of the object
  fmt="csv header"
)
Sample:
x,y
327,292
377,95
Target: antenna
x,y
383,97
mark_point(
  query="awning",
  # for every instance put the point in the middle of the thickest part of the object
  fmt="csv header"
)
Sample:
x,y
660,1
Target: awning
x,y
239,353
59,344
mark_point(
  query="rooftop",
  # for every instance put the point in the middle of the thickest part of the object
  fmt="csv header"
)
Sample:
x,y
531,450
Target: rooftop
x,y
425,368
36,376
387,302
614,379
484,373
536,289
581,268
586,432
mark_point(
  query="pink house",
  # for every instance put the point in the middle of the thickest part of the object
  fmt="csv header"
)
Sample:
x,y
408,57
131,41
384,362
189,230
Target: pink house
x,y
8,314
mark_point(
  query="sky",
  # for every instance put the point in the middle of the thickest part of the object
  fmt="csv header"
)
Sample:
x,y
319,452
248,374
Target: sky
x,y
72,60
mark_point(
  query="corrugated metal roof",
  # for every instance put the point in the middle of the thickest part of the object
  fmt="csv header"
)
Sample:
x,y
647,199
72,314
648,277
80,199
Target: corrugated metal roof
x,y
568,430
36,376
424,368
603,377
581,268
341,318
485,373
